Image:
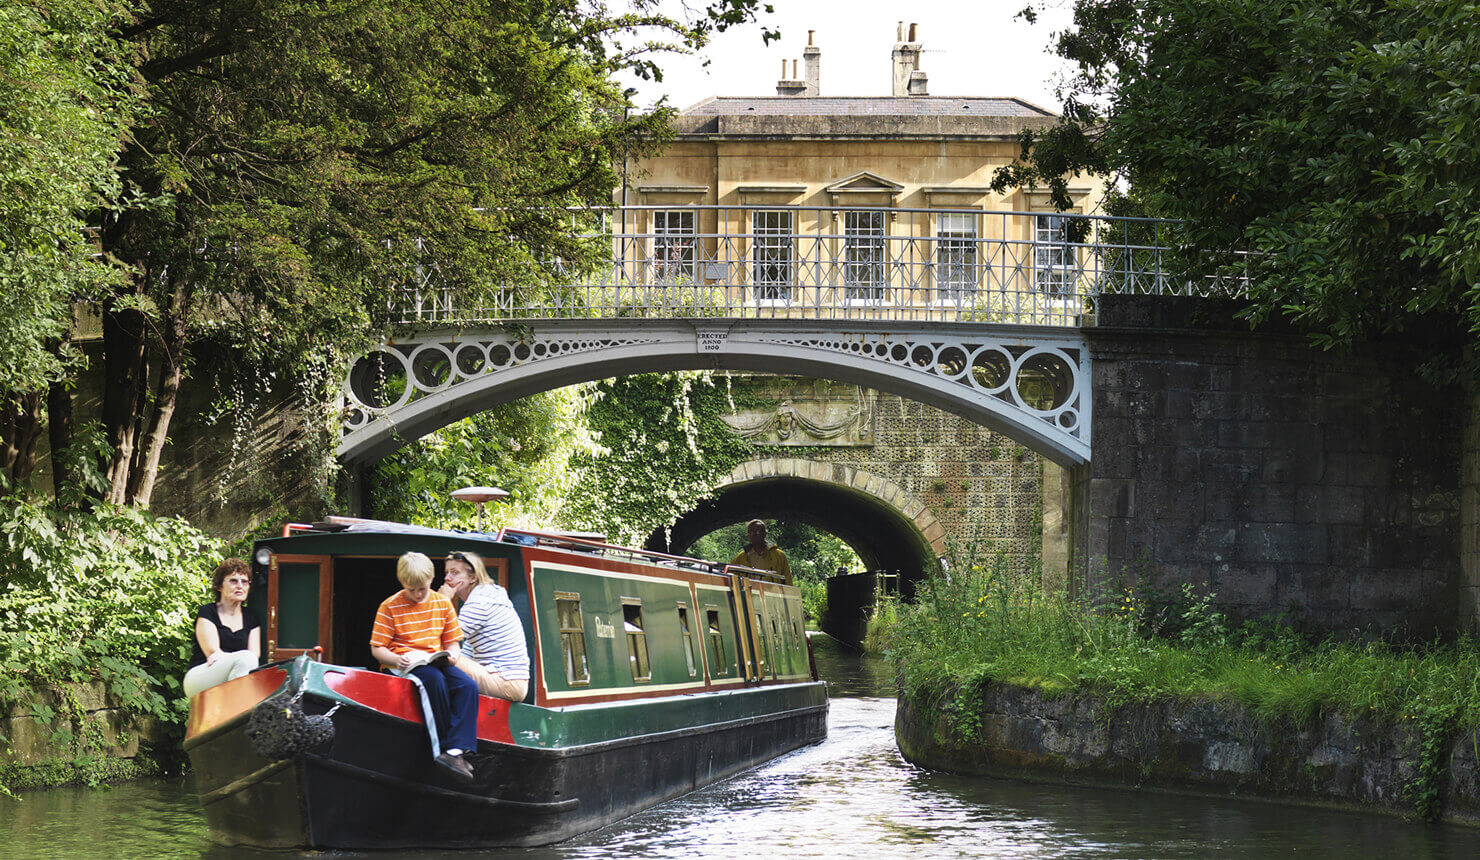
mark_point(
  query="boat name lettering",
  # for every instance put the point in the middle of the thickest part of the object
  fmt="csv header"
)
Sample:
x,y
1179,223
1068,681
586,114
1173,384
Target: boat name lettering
x,y
605,631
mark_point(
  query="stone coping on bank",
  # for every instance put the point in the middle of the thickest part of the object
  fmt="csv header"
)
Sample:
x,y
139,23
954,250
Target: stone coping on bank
x,y
1216,748
42,747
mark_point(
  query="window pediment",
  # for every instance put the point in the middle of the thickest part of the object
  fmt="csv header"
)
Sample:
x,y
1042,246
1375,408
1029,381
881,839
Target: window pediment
x,y
863,188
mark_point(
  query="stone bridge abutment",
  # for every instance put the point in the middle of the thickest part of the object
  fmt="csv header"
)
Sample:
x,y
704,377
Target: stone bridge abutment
x,y
1322,487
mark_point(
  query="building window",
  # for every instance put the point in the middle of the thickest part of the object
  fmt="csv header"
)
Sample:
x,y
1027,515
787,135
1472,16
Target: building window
x,y
674,244
1053,257
637,653
863,256
688,639
955,258
572,638
775,263
720,664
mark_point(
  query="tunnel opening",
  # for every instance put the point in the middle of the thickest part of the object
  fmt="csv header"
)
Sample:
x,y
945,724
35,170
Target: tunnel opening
x,y
881,536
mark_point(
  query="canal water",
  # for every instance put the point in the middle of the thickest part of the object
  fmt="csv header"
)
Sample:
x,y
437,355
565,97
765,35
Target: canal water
x,y
850,796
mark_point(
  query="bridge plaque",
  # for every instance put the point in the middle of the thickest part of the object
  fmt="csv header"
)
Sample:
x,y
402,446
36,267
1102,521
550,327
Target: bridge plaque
x,y
712,340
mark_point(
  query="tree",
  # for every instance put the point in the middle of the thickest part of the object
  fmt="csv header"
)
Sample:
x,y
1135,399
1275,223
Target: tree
x,y
64,104
524,447
296,170
1327,149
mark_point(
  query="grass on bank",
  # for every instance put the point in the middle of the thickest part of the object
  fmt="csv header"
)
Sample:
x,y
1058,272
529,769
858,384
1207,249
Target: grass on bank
x,y
982,622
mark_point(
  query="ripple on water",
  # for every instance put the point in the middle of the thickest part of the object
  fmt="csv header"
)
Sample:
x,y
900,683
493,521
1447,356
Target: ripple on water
x,y
851,796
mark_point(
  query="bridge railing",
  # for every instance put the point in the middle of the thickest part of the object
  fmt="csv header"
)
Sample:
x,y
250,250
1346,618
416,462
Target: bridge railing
x,y
844,262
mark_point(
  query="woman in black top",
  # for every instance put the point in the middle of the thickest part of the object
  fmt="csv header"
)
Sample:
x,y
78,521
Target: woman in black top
x,y
228,635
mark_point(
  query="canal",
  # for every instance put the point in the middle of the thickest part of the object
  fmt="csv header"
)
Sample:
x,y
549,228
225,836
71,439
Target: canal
x,y
850,796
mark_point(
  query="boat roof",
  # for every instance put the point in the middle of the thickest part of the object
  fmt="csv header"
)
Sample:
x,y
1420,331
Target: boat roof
x,y
591,543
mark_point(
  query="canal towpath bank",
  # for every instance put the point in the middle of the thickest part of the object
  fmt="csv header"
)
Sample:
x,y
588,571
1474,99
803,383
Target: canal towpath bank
x,y
854,795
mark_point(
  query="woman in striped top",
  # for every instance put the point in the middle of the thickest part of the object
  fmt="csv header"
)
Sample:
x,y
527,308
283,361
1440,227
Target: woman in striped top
x,y
412,623
497,656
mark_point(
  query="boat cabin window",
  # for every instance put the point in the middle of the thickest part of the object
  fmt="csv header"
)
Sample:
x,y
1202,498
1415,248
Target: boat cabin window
x,y
637,653
572,637
719,665
688,638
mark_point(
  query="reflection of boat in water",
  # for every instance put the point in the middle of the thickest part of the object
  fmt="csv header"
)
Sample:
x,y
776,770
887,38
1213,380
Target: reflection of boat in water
x,y
651,675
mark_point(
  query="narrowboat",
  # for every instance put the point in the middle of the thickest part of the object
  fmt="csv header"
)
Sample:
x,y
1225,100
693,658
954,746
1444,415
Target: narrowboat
x,y
650,675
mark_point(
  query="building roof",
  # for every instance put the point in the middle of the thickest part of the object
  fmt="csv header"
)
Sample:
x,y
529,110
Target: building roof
x,y
867,117
864,106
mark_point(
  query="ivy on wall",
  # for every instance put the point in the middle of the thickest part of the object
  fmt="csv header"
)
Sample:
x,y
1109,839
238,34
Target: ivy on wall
x,y
106,595
663,448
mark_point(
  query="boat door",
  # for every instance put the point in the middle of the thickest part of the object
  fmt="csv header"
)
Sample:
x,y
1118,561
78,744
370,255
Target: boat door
x,y
762,661
300,606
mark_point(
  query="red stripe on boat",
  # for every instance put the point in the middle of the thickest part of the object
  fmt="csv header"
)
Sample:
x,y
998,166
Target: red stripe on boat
x,y
397,697
387,694
493,720
217,705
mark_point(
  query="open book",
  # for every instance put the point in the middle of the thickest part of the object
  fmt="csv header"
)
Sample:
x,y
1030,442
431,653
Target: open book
x,y
421,658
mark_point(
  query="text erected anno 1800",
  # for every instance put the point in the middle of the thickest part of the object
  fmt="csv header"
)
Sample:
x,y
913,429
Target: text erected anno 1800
x,y
712,341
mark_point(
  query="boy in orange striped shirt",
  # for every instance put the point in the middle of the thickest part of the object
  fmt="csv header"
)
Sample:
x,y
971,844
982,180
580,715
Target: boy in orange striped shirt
x,y
417,619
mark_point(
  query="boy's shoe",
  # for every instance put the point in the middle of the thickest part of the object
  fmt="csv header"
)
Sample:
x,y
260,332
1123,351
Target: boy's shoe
x,y
456,765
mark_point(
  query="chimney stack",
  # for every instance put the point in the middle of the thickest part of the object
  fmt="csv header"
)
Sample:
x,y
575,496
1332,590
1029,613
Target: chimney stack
x,y
908,79
812,61
790,86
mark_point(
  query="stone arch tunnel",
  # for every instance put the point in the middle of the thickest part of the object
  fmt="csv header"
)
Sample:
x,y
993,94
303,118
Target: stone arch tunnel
x,y
877,528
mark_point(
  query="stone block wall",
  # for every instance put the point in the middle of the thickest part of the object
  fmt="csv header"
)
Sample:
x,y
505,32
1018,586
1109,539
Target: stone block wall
x,y
978,486
106,740
1289,481
1196,747
1469,541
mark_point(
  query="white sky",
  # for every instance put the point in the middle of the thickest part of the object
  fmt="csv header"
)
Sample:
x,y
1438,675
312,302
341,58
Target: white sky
x,y
971,48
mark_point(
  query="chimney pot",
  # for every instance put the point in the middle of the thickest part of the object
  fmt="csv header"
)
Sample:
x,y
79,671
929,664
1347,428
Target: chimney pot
x,y
912,32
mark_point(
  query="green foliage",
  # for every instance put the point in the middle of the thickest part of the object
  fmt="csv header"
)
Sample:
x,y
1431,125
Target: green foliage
x,y
982,622
288,178
1332,141
63,105
814,598
663,448
106,596
524,447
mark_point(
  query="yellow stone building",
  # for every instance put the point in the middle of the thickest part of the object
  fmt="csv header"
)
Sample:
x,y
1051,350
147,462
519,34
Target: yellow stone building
x,y
811,202
879,207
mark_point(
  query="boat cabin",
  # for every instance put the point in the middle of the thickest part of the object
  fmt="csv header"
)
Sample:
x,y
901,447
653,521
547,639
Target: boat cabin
x,y
601,622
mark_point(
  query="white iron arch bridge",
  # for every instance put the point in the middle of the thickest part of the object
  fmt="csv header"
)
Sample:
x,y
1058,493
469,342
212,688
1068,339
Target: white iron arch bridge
x,y
977,313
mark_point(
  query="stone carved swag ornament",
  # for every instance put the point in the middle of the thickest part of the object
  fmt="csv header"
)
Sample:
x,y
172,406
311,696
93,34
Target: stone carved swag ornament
x,y
836,420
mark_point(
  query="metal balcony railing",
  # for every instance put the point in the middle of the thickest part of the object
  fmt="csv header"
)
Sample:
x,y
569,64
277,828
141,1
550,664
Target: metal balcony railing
x,y
840,263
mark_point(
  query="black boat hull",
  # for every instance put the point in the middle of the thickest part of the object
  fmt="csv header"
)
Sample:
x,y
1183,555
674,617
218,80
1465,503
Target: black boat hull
x,y
375,786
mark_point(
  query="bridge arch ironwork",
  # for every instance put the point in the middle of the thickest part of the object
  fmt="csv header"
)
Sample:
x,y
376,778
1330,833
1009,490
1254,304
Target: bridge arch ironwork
x,y
1031,383
974,312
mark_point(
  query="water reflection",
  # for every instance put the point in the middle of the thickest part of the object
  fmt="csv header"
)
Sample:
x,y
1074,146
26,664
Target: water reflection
x,y
850,796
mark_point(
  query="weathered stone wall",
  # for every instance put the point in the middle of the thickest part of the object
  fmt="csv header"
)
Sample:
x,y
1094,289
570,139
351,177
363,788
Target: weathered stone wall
x,y
109,742
977,485
1207,747
227,470
1287,480
1469,549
